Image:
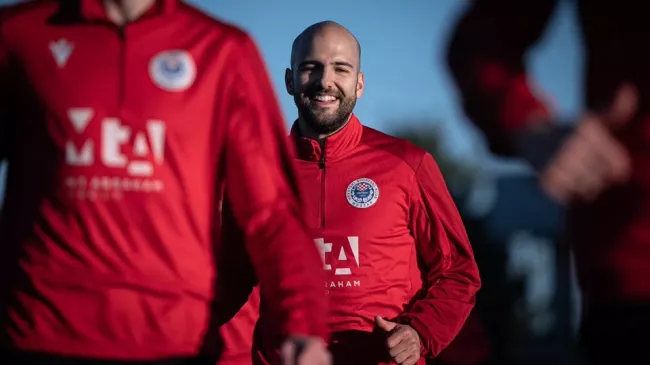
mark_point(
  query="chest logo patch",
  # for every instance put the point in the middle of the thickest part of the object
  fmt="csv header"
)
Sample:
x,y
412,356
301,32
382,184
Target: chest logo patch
x,y
362,193
173,70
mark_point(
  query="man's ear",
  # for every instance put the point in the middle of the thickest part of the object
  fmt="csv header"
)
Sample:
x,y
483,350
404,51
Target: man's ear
x,y
360,84
288,81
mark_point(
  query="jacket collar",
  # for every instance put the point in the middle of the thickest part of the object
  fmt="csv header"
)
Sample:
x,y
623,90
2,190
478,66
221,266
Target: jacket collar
x,y
94,9
331,148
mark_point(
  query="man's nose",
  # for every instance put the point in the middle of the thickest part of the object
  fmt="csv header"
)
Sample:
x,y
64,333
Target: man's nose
x,y
327,78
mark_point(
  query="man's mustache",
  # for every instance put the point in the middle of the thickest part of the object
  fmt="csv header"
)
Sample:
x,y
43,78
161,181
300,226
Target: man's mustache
x,y
321,92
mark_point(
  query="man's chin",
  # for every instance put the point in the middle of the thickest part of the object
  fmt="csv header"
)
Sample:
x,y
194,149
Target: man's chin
x,y
325,127
324,112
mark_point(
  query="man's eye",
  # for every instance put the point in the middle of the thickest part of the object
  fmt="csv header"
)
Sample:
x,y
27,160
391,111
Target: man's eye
x,y
342,70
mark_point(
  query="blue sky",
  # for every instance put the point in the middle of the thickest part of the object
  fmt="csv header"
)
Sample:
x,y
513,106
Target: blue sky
x,y
403,46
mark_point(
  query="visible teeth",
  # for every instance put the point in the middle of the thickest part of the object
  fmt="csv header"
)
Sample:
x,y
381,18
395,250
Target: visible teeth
x,y
325,98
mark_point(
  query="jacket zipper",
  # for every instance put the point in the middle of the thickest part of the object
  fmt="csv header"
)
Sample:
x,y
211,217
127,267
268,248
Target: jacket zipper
x,y
321,165
122,66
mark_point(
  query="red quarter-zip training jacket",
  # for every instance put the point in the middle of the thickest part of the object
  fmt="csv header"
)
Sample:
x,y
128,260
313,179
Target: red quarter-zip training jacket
x,y
119,142
391,240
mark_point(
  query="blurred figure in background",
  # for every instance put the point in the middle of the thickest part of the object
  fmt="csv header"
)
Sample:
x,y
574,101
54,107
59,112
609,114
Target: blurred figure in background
x,y
523,310
122,121
599,164
401,275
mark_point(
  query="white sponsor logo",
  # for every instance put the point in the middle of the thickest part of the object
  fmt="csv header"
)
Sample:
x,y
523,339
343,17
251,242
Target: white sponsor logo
x,y
340,256
61,51
137,166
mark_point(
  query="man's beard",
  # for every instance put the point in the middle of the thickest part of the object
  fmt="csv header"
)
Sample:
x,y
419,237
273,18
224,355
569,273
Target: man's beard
x,y
322,120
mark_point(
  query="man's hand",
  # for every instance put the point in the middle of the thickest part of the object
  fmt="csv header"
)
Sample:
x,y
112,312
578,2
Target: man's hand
x,y
305,351
402,341
592,159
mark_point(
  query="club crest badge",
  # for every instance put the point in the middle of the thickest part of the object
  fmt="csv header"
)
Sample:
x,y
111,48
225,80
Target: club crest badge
x,y
173,70
362,193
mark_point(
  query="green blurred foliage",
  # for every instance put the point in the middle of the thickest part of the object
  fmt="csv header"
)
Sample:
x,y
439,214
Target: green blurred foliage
x,y
459,174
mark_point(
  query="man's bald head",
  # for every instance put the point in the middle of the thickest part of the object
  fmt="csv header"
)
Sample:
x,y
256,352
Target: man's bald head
x,y
303,41
324,78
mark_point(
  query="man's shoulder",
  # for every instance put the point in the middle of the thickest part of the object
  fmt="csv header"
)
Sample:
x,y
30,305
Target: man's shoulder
x,y
401,148
20,22
28,10
44,9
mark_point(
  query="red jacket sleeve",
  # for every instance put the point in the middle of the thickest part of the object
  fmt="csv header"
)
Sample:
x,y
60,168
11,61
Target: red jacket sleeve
x,y
486,57
452,277
263,194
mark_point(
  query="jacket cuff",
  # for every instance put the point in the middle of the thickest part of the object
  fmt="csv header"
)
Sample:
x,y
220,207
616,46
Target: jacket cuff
x,y
423,331
304,324
519,105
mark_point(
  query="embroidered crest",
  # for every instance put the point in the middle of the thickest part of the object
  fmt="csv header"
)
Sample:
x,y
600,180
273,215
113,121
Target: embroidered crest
x,y
362,193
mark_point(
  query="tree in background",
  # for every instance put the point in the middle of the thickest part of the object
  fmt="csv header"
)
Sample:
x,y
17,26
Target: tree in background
x,y
428,135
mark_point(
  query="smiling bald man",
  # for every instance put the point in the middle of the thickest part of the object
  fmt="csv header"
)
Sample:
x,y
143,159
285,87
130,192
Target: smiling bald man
x,y
401,275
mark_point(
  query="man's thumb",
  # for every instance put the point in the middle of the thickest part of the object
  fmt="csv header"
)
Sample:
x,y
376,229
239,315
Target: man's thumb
x,y
624,106
288,351
384,324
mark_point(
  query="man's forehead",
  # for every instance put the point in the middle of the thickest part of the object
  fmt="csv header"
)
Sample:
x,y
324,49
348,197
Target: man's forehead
x,y
330,47
328,42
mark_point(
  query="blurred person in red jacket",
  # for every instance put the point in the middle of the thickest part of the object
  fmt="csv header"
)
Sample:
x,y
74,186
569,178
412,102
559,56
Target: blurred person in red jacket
x,y
598,165
401,275
122,121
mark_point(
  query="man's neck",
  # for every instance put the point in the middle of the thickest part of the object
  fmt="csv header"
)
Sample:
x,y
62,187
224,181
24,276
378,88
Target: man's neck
x,y
307,132
122,12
